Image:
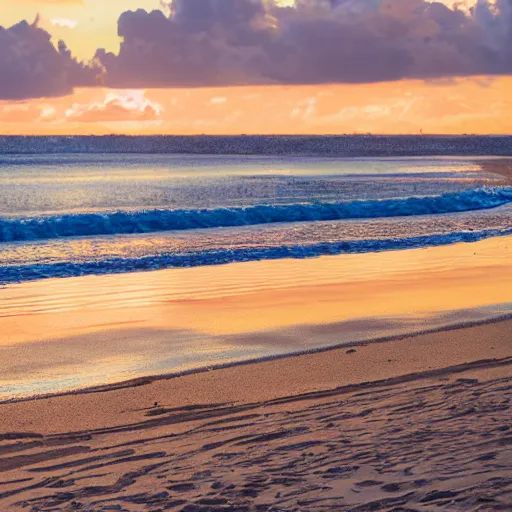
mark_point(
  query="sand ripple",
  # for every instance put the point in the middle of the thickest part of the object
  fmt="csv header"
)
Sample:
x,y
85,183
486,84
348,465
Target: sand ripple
x,y
435,441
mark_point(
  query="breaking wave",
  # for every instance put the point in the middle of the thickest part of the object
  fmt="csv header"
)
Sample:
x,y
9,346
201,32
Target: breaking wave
x,y
147,221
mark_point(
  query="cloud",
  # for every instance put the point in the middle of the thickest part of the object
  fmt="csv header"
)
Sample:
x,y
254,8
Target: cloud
x,y
64,22
27,113
116,106
239,42
205,43
32,67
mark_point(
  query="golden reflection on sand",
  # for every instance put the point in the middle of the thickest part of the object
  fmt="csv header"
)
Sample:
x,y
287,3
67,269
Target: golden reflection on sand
x,y
257,296
63,334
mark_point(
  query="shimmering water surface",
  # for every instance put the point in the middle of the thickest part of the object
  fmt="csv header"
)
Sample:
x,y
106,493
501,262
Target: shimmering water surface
x,y
98,214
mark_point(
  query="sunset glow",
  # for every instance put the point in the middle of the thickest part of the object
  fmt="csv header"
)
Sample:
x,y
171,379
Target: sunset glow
x,y
476,105
149,90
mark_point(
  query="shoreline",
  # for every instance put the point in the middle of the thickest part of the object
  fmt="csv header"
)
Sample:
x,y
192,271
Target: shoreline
x,y
64,335
107,406
150,379
149,264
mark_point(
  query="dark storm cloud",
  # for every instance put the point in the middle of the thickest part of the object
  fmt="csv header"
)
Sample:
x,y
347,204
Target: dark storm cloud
x,y
231,42
32,67
239,42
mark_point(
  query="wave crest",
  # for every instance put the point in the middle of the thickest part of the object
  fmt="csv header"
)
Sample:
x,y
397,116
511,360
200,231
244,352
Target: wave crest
x,y
147,221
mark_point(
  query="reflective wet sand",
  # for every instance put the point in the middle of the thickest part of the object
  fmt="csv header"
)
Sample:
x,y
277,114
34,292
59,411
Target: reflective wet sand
x,y
65,334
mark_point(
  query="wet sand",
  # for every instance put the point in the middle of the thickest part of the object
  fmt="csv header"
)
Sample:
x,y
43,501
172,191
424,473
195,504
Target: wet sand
x,y
499,166
63,334
417,424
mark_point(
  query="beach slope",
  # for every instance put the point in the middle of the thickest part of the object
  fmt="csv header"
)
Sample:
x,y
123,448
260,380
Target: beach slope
x,y
417,424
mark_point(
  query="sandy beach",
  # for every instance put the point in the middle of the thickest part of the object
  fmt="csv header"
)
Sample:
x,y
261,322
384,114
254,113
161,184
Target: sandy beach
x,y
256,256
416,424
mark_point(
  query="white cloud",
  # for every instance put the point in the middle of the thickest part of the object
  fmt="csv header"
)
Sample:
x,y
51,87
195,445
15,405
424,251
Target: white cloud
x,y
64,23
117,105
48,112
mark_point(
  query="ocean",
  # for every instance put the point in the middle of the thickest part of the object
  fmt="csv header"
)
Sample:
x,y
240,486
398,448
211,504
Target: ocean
x,y
72,214
77,207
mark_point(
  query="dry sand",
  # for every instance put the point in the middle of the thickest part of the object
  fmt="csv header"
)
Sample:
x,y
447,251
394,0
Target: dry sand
x,y
418,424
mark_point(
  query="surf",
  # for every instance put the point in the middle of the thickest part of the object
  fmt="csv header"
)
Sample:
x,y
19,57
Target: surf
x,y
149,221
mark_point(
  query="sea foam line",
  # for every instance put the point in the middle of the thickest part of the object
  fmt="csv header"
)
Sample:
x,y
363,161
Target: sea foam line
x,y
30,272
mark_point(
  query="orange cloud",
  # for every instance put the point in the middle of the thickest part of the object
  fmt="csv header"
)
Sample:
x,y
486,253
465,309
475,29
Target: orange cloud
x,y
27,113
116,106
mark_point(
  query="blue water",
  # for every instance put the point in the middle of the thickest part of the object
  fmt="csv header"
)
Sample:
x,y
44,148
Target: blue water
x,y
147,221
70,215
303,145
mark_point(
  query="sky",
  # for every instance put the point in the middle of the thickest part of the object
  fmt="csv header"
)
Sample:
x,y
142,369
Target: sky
x,y
255,66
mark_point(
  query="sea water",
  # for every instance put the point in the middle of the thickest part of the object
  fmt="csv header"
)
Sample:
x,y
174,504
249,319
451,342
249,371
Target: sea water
x,y
63,215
